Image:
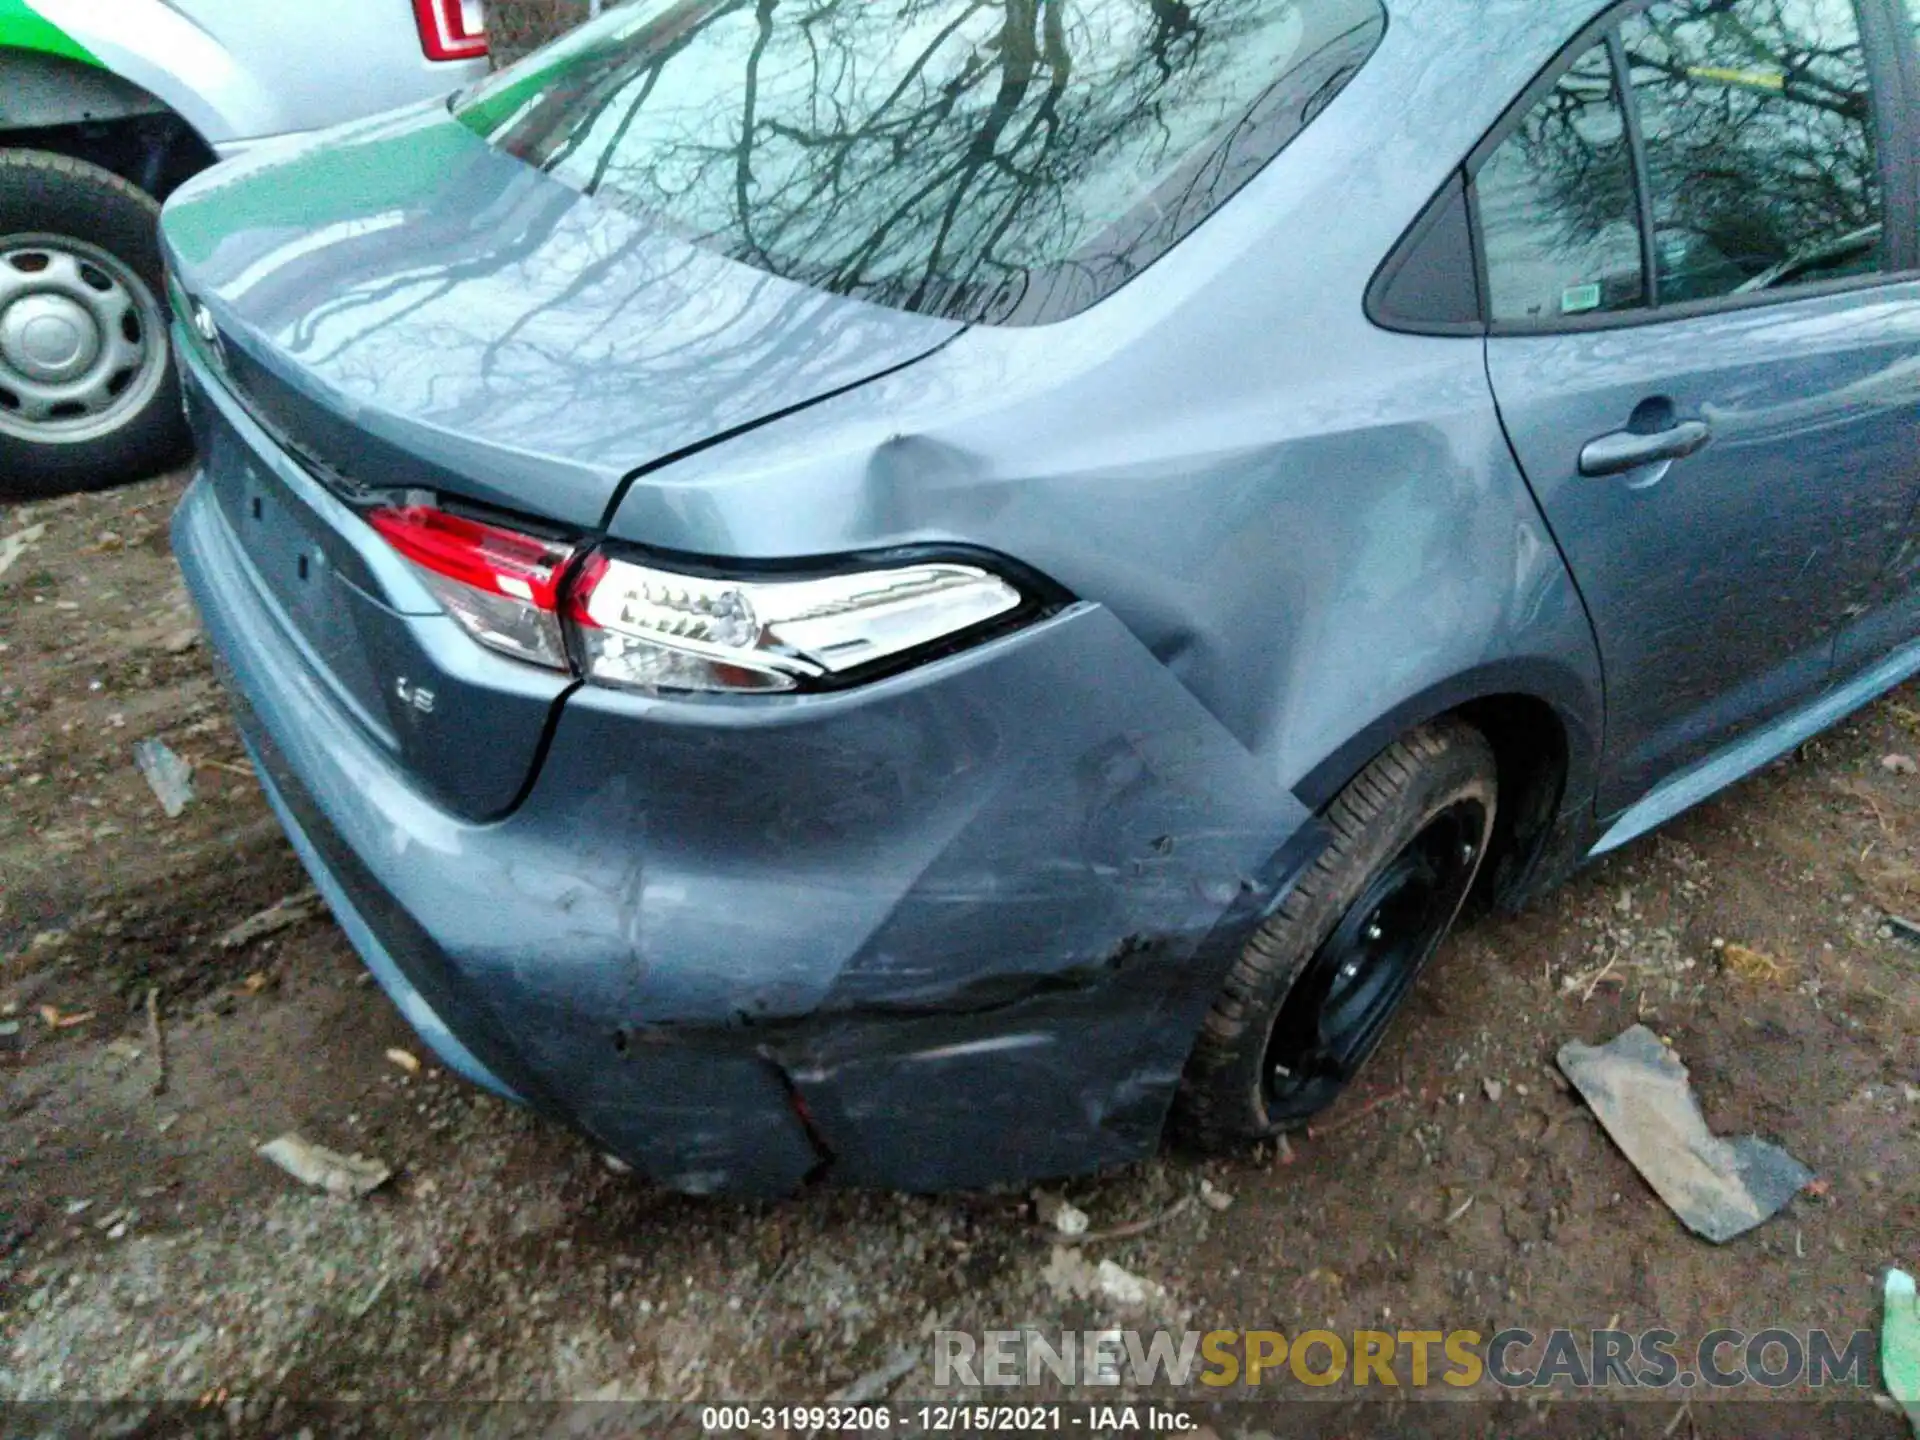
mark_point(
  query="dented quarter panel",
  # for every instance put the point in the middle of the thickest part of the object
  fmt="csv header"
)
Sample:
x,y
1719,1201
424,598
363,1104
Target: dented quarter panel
x,y
1033,860
1311,522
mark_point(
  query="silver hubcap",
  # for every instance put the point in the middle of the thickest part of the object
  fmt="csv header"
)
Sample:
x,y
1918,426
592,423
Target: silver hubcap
x,y
82,342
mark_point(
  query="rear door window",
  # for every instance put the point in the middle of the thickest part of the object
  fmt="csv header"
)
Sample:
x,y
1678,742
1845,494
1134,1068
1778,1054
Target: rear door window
x,y
1762,162
1730,145
1557,204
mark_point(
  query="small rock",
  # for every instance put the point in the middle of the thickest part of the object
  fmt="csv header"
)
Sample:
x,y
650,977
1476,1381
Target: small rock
x,y
1068,1219
181,641
405,1059
1214,1198
1494,1090
1123,1287
1899,765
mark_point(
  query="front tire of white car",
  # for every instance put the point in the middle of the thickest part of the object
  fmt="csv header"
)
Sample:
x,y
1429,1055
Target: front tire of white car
x,y
89,396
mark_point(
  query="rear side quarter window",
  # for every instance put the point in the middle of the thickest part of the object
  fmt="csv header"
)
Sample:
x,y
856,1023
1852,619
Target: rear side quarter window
x,y
1557,205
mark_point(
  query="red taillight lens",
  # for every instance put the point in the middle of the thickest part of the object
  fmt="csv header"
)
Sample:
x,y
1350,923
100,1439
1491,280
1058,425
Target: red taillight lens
x,y
487,557
502,586
451,29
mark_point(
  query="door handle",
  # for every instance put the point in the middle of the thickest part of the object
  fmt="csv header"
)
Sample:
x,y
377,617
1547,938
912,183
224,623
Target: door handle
x,y
1629,450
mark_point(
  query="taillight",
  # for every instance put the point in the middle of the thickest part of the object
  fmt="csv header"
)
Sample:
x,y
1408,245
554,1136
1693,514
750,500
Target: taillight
x,y
644,628
503,587
451,29
640,627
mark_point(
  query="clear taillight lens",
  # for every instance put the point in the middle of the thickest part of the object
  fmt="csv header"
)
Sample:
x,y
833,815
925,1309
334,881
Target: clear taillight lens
x,y
502,586
644,628
650,629
451,29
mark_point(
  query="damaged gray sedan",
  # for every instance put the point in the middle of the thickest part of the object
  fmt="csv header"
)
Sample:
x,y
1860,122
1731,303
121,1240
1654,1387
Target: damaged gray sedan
x,y
901,592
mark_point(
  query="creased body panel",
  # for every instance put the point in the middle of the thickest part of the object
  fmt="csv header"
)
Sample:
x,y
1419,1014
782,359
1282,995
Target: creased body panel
x,y
1047,837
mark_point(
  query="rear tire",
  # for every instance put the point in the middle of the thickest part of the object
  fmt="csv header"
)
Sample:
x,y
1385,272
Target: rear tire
x,y
1317,987
89,395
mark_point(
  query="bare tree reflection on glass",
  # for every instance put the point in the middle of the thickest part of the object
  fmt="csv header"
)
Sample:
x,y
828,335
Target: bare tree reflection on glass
x,y
988,159
1760,143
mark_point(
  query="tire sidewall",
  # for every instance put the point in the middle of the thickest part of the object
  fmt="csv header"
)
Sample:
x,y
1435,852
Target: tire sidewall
x,y
47,194
1464,769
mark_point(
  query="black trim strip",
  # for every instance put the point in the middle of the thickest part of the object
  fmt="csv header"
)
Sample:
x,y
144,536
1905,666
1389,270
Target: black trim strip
x,y
1637,149
1887,35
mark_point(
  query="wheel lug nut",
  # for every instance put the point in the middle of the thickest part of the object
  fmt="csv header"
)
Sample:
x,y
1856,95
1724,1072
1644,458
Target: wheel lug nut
x,y
1374,932
1349,970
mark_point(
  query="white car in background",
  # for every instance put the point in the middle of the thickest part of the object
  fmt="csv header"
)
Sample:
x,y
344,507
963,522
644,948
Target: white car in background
x,y
104,109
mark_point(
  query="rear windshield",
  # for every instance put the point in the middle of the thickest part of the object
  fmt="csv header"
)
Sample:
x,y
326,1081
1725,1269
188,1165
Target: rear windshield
x,y
1001,161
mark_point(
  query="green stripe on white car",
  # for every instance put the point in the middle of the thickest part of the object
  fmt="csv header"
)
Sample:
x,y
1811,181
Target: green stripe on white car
x,y
25,28
107,106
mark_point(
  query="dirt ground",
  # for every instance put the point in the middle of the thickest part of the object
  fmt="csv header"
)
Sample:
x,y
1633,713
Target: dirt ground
x,y
146,1251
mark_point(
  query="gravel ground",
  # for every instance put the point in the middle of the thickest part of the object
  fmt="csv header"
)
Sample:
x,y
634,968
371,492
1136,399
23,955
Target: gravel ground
x,y
146,1251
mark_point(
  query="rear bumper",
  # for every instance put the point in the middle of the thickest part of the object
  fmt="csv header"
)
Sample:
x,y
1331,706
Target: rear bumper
x,y
969,917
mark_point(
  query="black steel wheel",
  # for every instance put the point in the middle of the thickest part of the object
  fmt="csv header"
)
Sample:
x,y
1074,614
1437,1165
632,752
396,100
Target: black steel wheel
x,y
1317,987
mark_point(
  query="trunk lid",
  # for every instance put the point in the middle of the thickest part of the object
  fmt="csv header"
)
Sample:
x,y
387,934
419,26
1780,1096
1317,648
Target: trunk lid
x,y
414,308
464,723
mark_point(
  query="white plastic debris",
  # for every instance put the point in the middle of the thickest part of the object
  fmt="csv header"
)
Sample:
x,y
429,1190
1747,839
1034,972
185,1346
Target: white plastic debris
x,y
1900,1345
1638,1089
1070,1275
348,1176
170,777
16,545
1122,1286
